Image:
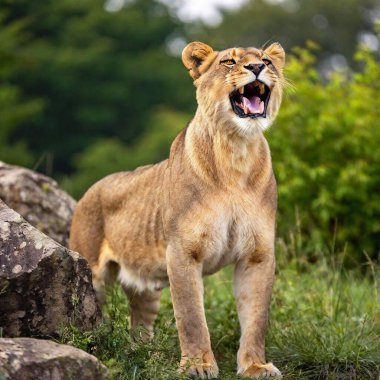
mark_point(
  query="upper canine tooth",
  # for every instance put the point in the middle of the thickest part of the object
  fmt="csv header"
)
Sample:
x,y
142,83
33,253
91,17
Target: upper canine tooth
x,y
241,90
262,88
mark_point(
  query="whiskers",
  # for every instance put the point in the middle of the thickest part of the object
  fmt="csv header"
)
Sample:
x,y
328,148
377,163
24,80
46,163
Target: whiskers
x,y
287,84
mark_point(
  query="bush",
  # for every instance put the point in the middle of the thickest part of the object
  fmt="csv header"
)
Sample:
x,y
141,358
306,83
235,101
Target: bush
x,y
326,157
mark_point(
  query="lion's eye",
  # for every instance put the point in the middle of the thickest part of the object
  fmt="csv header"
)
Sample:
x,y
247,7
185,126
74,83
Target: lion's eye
x,y
228,62
267,61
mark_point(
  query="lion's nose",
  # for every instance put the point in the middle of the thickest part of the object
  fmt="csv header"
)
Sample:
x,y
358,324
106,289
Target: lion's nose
x,y
255,68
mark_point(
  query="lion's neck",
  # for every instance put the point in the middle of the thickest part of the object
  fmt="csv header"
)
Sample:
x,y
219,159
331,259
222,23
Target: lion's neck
x,y
218,154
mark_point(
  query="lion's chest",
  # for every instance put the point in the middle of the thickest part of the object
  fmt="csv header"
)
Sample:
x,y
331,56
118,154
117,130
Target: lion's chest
x,y
232,231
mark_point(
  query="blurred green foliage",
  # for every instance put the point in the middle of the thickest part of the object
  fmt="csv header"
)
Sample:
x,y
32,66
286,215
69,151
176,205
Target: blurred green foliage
x,y
95,92
99,74
153,146
15,107
326,157
335,25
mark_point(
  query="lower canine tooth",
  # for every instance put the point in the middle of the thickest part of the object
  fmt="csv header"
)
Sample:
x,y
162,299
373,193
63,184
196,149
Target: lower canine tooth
x,y
241,90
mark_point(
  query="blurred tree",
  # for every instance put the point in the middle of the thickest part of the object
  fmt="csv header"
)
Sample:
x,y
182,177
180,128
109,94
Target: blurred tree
x,y
335,25
110,155
99,73
15,108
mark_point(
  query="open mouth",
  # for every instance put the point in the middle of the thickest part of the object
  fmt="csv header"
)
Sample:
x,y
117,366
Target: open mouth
x,y
251,100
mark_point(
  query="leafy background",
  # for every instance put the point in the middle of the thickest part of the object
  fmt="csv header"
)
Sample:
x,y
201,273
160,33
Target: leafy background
x,y
85,92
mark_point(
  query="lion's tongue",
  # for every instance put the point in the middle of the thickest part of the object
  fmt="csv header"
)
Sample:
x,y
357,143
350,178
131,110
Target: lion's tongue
x,y
253,105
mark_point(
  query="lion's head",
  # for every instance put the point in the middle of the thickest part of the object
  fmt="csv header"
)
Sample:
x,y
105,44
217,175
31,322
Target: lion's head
x,y
240,87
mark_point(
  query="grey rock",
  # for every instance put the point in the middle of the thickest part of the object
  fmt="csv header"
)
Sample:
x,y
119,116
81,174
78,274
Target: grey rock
x,y
43,285
38,199
32,359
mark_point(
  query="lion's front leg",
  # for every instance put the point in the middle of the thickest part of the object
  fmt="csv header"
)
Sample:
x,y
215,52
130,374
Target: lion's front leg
x,y
253,288
186,287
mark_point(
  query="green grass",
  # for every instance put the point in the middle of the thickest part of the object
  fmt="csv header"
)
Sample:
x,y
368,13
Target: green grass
x,y
324,324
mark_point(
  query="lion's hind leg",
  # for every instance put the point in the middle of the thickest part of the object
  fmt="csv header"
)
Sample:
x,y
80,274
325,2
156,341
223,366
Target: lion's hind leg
x,y
104,272
144,306
103,275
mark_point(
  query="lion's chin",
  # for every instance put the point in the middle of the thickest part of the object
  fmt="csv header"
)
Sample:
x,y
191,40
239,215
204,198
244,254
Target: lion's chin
x,y
249,126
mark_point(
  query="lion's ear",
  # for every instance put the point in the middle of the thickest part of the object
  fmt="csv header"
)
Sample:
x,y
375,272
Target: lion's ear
x,y
194,55
277,53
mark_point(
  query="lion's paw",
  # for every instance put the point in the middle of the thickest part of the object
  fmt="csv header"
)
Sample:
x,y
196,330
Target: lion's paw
x,y
197,368
261,371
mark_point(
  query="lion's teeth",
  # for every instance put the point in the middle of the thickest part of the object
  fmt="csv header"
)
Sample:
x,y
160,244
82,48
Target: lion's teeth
x,y
241,90
262,88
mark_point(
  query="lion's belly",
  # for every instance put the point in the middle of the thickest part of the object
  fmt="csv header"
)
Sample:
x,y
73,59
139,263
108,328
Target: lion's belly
x,y
142,266
141,281
224,236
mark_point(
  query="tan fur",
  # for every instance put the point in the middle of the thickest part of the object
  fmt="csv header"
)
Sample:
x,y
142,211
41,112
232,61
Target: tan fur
x,y
212,203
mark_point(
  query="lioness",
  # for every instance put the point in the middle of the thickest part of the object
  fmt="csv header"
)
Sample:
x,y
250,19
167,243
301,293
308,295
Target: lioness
x,y
212,203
